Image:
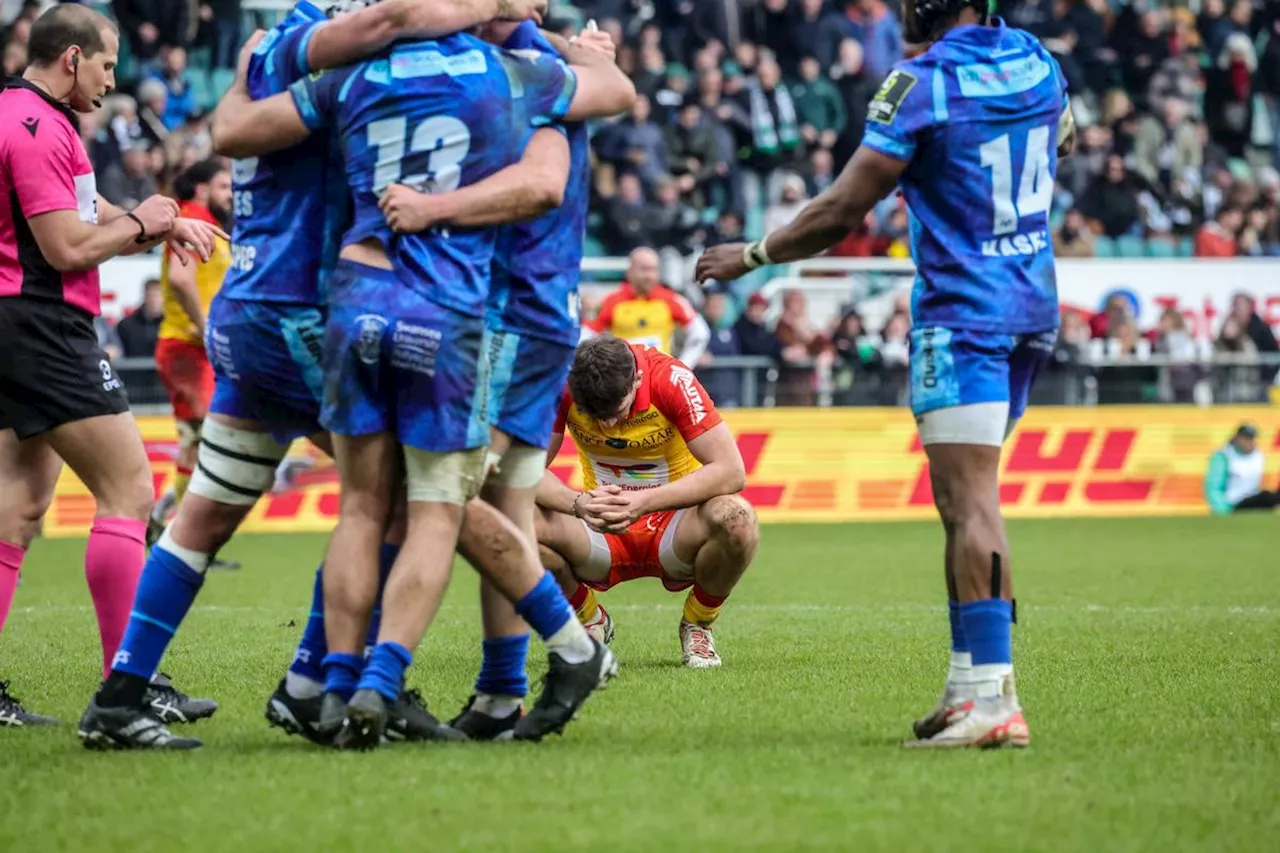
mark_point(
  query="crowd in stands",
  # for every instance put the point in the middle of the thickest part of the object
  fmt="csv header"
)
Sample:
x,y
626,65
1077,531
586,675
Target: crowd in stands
x,y
749,108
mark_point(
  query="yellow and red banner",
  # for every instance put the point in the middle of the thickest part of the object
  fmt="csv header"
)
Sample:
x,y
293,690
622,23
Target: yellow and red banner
x,y
862,465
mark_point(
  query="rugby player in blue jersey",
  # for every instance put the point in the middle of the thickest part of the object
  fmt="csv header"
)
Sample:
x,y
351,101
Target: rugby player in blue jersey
x,y
264,335
971,129
403,351
533,327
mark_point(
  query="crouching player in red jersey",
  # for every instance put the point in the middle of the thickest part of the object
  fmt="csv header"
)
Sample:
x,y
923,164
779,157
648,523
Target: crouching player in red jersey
x,y
661,474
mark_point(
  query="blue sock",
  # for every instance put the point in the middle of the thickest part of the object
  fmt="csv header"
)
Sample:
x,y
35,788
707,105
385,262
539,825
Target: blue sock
x,y
385,670
988,626
959,642
165,592
386,559
312,647
545,608
342,673
502,669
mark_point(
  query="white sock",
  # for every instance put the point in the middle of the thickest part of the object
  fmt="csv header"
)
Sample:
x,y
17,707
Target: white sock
x,y
961,669
987,680
301,687
497,706
572,643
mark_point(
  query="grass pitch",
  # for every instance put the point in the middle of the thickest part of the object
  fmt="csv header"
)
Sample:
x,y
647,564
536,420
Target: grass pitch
x,y
1148,663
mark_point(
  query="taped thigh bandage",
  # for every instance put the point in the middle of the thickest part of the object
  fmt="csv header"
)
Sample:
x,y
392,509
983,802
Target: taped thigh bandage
x,y
449,478
521,467
235,466
976,423
189,433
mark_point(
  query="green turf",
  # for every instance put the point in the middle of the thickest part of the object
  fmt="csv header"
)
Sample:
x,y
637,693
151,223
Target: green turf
x,y
1149,666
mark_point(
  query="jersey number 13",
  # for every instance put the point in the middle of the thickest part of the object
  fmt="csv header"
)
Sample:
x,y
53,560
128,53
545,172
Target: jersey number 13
x,y
444,140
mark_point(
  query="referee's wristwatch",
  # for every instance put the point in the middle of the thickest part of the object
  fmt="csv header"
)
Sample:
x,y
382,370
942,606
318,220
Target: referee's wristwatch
x,y
142,230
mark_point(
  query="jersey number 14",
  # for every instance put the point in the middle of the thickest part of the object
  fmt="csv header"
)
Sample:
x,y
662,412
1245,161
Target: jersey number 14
x,y
1035,188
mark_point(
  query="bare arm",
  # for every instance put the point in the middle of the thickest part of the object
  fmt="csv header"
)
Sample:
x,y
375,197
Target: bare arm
x,y
825,221
68,243
722,473
243,127
353,37
553,494
182,278
524,190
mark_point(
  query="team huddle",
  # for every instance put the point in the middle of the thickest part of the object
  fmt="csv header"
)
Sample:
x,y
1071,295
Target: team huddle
x,y
410,190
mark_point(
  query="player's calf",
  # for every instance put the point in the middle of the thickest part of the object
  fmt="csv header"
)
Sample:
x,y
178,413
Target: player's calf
x,y
729,535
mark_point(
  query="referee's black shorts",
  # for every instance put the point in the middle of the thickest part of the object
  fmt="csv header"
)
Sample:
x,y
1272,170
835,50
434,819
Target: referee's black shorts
x,y
52,371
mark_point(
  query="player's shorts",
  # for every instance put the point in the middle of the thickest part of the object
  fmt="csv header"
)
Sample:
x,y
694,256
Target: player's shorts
x,y
646,550
952,368
526,384
184,369
267,364
52,371
394,361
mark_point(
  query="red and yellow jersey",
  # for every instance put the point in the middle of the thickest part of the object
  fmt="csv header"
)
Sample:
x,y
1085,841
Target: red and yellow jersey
x,y
176,325
651,447
650,320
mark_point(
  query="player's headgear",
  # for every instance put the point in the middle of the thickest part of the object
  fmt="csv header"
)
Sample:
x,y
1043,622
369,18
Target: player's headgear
x,y
925,18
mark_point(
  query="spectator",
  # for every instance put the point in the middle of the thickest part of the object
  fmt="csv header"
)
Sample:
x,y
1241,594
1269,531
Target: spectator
x,y
1268,84
643,311
1144,51
855,359
1234,480
1243,311
775,127
877,28
723,384
15,58
1128,381
1117,311
1228,97
1111,202
181,100
139,331
625,228
817,32
895,353
1238,383
770,27
1217,239
691,150
728,229
1258,236
107,338
1173,340
127,183
1069,353
754,336
800,342
1073,239
1169,146
818,106
220,30
822,172
792,201
669,98
151,25
97,141
670,222
856,90
642,145
153,100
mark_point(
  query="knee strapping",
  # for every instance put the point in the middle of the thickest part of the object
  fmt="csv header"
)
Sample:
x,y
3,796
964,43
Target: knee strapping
x,y
451,478
235,466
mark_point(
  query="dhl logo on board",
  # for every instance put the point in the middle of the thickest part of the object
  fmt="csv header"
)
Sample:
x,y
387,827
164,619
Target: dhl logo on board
x,y
861,465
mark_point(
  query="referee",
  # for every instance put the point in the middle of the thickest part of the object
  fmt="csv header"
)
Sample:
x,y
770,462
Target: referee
x,y
60,399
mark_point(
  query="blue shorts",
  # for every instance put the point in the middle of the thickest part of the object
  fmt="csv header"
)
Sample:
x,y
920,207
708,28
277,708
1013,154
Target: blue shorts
x,y
266,364
526,384
394,361
955,367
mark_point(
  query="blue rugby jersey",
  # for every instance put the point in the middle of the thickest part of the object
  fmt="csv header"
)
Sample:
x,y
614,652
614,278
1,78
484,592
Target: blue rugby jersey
x,y
291,206
434,115
976,118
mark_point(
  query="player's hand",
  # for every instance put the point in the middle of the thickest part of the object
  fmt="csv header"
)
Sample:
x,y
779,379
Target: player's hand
x,y
623,510
157,215
246,54
721,263
195,234
522,10
591,48
407,211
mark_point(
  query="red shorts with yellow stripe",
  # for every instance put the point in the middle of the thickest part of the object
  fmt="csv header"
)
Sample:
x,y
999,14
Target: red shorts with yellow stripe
x,y
646,550
185,371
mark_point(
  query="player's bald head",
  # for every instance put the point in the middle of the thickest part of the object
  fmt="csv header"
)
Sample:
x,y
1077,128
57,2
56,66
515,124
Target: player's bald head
x,y
603,379
65,26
